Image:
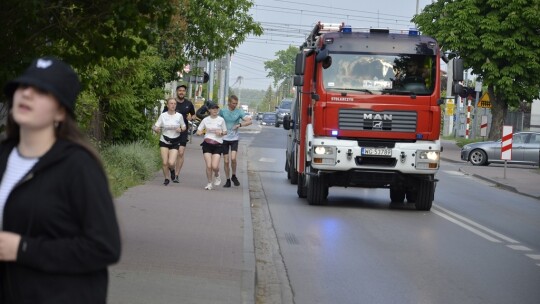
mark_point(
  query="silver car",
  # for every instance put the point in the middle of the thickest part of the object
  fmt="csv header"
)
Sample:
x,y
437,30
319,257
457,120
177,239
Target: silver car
x,y
525,150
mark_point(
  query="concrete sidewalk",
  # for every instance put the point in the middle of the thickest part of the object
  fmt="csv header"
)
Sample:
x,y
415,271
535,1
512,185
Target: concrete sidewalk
x,y
185,244
521,179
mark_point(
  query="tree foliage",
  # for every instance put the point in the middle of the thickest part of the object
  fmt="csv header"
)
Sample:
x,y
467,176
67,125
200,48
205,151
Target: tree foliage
x,y
281,69
500,42
124,50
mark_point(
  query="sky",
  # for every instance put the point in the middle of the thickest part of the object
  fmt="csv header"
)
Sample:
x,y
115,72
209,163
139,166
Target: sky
x,y
287,22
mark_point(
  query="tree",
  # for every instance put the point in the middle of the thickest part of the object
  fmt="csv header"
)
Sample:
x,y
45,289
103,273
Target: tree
x,y
282,68
123,50
499,40
266,104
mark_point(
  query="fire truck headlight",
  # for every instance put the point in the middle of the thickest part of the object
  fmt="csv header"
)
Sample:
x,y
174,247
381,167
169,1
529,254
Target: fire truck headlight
x,y
322,150
324,155
428,155
427,159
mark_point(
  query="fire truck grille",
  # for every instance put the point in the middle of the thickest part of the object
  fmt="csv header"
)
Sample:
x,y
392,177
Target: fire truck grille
x,y
367,120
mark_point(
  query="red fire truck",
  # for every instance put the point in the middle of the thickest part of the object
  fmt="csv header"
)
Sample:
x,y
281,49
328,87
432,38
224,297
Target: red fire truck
x,y
367,113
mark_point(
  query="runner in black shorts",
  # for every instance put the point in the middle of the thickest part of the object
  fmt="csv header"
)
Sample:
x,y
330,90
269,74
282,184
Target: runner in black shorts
x,y
184,107
234,118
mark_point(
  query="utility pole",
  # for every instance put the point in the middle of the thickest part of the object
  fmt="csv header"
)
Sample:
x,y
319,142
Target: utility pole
x,y
211,80
227,69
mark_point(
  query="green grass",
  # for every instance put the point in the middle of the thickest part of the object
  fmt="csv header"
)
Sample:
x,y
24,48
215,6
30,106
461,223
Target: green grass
x,y
128,165
461,141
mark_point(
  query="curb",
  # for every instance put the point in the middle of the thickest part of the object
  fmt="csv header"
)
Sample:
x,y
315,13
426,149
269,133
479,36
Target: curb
x,y
248,273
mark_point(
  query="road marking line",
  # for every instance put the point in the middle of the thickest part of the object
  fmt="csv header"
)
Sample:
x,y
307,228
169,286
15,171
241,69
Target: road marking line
x,y
519,247
267,160
472,223
471,229
534,256
454,172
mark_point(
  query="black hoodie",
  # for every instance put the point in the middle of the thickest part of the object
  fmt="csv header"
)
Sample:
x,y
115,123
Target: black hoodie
x,y
65,215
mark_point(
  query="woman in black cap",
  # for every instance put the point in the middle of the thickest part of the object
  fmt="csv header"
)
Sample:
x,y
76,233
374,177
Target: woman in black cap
x,y
59,230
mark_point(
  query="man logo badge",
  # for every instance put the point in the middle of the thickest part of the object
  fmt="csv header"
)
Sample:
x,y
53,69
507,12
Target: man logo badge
x,y
377,124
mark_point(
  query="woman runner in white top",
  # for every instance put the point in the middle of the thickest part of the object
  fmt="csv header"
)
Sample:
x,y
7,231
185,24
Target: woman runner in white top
x,y
170,124
212,145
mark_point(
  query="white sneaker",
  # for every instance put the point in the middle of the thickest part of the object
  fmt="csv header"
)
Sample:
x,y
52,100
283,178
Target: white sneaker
x,y
217,180
208,187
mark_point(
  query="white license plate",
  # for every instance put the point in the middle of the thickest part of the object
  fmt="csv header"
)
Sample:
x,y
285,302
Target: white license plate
x,y
376,151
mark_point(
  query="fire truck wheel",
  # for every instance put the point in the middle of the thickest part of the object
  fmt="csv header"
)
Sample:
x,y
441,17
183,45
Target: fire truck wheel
x,y
424,198
411,196
317,190
397,195
293,175
301,186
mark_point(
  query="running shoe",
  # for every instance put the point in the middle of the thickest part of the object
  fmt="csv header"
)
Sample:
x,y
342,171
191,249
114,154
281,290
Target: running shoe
x,y
166,182
175,179
235,180
217,180
208,187
227,184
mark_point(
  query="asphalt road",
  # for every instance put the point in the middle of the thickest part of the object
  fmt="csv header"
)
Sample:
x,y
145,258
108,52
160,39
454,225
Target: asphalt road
x,y
478,244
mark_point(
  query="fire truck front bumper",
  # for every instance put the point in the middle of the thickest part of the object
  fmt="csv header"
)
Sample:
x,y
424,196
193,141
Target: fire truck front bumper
x,y
420,157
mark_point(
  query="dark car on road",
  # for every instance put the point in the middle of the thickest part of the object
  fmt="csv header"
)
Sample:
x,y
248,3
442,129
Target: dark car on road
x,y
268,119
525,150
283,109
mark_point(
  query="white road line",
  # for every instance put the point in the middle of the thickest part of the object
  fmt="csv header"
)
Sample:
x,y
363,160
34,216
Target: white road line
x,y
267,160
472,223
471,229
534,256
454,172
519,247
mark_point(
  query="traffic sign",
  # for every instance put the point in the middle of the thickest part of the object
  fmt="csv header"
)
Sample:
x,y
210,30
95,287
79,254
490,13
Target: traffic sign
x,y
484,102
506,143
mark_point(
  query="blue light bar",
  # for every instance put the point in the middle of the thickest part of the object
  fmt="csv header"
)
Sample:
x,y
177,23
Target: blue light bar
x,y
334,132
347,29
413,31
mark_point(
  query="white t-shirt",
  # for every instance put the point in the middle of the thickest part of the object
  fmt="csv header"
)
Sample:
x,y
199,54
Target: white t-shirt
x,y
212,125
17,167
169,123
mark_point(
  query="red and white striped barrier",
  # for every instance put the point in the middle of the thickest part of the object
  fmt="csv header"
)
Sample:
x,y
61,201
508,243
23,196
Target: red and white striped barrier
x,y
506,143
468,125
483,126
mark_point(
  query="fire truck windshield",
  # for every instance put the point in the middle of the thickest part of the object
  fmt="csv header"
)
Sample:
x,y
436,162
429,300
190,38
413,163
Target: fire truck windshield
x,y
401,74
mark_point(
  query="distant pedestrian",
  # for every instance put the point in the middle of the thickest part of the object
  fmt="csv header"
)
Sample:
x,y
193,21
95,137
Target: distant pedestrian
x,y
214,129
185,107
59,230
170,124
234,119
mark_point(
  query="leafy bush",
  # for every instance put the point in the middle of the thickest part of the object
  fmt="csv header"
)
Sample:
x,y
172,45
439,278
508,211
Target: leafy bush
x,y
130,164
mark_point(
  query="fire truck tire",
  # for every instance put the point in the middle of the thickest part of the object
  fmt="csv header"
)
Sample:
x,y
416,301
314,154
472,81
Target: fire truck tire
x,y
411,196
424,198
294,175
397,195
317,190
301,186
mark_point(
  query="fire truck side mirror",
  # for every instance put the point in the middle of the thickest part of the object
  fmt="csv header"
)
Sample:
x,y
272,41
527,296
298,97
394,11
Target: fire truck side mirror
x,y
457,69
298,80
321,55
299,64
287,122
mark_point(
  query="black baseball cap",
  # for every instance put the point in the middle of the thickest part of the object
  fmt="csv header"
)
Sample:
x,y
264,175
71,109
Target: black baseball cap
x,y
213,105
51,75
